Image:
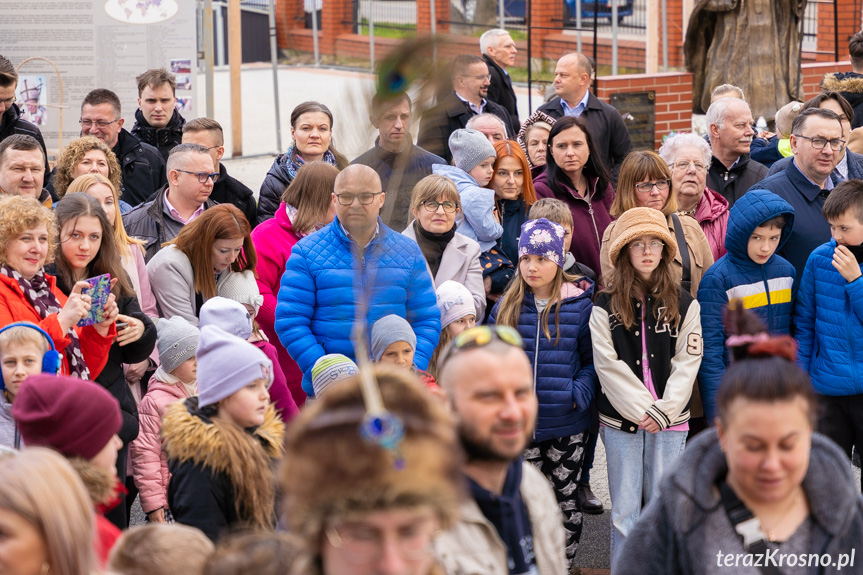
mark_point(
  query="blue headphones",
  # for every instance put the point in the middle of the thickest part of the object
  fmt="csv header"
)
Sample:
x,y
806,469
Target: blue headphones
x,y
52,361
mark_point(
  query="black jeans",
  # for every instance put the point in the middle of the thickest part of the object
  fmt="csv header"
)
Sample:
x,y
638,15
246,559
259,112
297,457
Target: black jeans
x,y
841,419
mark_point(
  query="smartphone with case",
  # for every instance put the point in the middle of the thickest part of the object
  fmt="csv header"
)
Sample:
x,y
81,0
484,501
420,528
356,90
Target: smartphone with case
x,y
98,288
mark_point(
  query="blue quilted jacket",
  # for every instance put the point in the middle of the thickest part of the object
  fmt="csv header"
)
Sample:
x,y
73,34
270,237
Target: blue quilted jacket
x,y
767,289
563,373
315,312
828,322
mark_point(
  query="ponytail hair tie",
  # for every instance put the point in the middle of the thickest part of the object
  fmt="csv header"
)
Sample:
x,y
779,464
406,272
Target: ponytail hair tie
x,y
746,339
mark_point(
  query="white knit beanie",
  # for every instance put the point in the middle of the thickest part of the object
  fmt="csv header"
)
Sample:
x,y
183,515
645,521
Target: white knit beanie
x,y
455,302
242,287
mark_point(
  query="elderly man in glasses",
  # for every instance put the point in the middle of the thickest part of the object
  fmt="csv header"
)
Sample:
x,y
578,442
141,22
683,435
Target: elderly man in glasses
x,y
142,164
817,142
191,175
511,522
355,269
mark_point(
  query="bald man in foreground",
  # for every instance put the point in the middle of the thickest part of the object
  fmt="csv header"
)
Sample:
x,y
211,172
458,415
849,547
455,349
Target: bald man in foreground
x,y
355,260
572,88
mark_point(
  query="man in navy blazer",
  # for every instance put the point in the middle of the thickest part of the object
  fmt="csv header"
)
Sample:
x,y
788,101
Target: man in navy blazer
x,y
817,144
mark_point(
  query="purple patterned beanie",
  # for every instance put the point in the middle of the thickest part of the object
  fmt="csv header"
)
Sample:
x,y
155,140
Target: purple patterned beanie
x,y
542,238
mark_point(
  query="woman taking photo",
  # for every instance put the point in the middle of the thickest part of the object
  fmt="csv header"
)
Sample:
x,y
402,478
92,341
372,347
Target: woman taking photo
x,y
449,255
312,131
87,249
575,175
28,234
189,271
763,462
645,182
45,515
688,156
88,155
306,206
533,138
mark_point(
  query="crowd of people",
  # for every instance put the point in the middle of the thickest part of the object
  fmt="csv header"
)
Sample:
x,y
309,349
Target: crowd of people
x,y
402,364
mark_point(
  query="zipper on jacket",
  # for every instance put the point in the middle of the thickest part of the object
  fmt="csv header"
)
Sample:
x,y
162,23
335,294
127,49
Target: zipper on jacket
x,y
536,359
589,201
769,303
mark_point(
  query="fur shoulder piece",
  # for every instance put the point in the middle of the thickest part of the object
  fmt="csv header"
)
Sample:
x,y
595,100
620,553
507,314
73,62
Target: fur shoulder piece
x,y
846,83
101,486
244,456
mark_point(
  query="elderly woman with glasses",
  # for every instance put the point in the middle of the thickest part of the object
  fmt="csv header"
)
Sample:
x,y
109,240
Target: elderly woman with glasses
x,y
645,182
689,156
435,204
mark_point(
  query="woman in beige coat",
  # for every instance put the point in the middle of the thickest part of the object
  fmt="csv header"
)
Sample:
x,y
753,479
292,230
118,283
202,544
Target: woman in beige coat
x,y
435,203
645,182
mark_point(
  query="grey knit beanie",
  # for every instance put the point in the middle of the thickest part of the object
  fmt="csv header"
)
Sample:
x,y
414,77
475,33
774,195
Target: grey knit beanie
x,y
227,364
469,148
388,330
228,314
178,340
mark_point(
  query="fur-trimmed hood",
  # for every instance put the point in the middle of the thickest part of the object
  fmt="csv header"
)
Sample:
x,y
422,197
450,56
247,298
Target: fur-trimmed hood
x,y
849,82
189,434
103,487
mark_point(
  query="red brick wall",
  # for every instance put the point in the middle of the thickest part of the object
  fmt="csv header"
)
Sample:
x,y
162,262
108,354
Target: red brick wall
x,y
814,73
673,98
289,16
630,53
676,33
849,24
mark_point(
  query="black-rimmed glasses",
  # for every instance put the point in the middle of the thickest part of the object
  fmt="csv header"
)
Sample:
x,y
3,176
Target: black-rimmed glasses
x,y
365,198
202,176
448,207
836,144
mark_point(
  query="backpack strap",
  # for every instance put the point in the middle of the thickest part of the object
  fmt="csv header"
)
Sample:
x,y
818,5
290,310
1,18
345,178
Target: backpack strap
x,y
748,528
683,248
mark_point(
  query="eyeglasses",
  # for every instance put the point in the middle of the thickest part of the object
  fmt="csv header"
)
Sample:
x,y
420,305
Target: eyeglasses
x,y
365,198
652,247
647,187
683,165
481,77
836,144
363,544
203,176
100,124
448,207
481,336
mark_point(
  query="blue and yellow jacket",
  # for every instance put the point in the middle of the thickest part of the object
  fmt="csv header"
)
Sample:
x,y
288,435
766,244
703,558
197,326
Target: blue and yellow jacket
x,y
767,289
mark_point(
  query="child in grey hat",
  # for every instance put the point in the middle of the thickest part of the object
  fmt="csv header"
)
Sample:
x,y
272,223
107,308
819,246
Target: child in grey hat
x,y
394,343
174,380
474,157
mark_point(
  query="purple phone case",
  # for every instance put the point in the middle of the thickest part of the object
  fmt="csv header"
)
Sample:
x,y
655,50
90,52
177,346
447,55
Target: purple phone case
x,y
99,290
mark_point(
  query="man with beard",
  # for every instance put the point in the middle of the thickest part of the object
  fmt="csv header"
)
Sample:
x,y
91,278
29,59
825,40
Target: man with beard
x,y
511,523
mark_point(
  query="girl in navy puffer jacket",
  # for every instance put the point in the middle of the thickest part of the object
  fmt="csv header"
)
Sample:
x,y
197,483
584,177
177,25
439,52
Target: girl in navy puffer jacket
x,y
562,357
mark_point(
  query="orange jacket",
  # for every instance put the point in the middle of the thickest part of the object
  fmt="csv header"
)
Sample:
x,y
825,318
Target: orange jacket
x,y
14,307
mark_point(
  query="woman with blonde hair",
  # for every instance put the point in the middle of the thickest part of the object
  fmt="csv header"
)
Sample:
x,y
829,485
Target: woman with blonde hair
x,y
645,182
46,515
87,155
190,269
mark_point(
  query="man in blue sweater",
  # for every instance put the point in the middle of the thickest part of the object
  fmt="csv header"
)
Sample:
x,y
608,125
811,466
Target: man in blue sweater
x,y
355,260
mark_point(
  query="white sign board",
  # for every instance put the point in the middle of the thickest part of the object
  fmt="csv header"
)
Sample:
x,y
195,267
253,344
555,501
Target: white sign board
x,y
96,44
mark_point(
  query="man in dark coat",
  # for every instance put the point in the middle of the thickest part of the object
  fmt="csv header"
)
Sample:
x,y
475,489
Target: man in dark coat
x,y
227,190
571,85
11,121
399,163
805,183
732,172
142,164
157,121
470,80
498,50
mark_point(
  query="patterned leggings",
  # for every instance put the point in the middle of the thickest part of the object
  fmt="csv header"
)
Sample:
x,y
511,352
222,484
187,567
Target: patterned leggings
x,y
560,460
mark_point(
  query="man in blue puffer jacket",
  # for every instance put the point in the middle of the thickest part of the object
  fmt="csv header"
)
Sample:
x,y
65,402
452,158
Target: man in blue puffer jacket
x,y
828,319
759,223
323,281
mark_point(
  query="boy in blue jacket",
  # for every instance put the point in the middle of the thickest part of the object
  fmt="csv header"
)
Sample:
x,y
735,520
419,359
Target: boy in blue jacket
x,y
828,319
759,224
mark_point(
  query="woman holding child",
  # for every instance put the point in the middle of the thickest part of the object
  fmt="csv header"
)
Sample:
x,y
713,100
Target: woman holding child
x,y
27,293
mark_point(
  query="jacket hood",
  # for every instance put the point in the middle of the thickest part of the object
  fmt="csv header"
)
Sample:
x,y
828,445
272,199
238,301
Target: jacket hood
x,y
101,486
750,211
582,287
177,390
457,175
279,169
829,483
845,82
711,206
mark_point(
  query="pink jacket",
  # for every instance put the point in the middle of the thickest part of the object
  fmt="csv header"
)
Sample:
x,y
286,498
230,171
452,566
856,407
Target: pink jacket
x,y
273,241
149,465
712,215
280,396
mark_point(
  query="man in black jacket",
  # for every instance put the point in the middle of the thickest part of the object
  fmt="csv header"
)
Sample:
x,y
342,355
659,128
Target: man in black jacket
x,y
470,80
572,86
142,164
399,163
732,172
11,121
498,50
227,190
157,121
